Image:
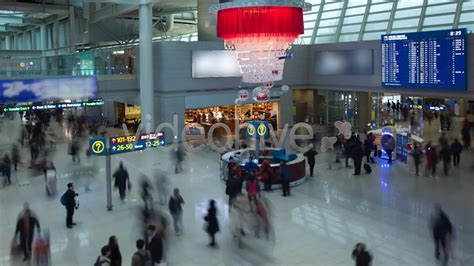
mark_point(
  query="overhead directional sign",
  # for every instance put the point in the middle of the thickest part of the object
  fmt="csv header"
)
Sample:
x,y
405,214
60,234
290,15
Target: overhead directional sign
x,y
121,144
97,146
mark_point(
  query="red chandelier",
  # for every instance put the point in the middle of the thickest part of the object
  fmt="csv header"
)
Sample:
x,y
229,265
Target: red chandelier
x,y
261,33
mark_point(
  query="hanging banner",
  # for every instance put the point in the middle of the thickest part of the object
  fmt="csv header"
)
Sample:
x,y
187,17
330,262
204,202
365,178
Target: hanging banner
x,y
40,90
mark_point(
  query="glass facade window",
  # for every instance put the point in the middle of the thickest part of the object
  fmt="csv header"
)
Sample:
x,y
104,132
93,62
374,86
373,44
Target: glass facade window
x,y
352,3
332,6
413,12
441,9
325,39
468,5
351,28
378,16
376,26
309,24
328,22
404,23
331,14
373,35
437,20
355,19
349,37
409,3
381,7
326,31
467,17
355,11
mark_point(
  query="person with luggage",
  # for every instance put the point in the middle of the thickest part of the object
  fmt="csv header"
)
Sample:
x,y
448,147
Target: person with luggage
x,y
141,257
368,145
357,155
121,180
456,149
389,147
68,199
175,206
25,229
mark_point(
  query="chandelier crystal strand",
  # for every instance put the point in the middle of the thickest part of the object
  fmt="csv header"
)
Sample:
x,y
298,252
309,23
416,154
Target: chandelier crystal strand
x,y
261,33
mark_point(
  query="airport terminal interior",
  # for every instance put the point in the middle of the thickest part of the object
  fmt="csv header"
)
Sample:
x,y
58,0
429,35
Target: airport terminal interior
x,y
236,132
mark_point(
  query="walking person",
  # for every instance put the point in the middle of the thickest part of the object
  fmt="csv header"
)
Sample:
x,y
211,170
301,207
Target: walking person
x,y
431,159
443,234
445,155
154,245
121,180
7,169
285,178
456,149
265,174
74,150
368,145
68,199
361,256
389,147
15,156
466,136
357,155
176,210
310,157
103,259
25,228
417,155
141,257
115,255
252,189
212,226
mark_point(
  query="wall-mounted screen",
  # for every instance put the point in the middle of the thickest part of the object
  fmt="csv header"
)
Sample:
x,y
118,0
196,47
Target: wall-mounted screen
x,y
344,62
425,60
215,64
39,90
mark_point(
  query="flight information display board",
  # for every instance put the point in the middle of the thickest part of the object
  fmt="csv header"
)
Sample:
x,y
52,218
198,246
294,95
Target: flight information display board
x,y
121,144
425,60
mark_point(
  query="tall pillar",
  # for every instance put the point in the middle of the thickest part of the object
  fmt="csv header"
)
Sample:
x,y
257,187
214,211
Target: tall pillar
x,y
33,39
55,34
43,46
72,30
8,43
146,65
206,21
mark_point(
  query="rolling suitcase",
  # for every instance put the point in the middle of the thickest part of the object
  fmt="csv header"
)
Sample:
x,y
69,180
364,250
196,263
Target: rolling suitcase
x,y
367,168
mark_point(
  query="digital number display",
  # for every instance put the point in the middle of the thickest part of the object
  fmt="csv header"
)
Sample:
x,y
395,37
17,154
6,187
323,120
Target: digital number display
x,y
426,60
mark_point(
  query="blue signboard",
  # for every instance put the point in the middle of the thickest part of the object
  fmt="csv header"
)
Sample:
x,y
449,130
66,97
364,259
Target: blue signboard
x,y
425,60
257,129
122,144
97,146
40,90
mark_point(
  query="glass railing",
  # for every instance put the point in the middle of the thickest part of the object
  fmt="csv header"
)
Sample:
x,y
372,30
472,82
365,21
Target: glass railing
x,y
107,63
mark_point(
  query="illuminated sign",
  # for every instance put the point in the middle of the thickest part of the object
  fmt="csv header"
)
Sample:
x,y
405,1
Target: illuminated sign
x,y
121,144
257,129
97,146
50,106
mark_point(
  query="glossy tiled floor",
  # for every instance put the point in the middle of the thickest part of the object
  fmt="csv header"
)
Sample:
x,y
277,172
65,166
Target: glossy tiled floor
x,y
318,225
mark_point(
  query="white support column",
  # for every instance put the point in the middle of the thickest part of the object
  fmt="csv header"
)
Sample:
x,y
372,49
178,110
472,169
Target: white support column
x,y
146,66
72,30
55,34
8,43
43,46
33,39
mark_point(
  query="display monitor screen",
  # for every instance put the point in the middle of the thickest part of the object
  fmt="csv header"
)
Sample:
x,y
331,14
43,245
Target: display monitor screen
x,y
344,62
215,64
425,60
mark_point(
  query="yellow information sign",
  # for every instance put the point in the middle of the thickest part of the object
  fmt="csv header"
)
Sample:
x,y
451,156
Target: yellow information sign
x,y
97,146
251,130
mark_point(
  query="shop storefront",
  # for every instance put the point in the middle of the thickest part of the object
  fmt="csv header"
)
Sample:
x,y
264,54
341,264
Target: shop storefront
x,y
228,114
